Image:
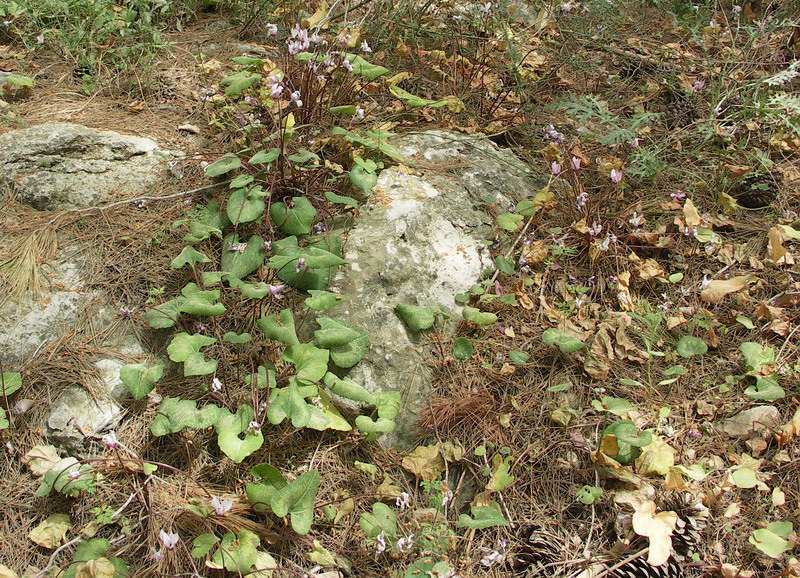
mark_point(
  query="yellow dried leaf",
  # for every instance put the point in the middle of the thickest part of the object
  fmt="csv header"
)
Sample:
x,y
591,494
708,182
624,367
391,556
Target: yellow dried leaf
x,y
398,78
776,252
536,253
690,215
718,288
624,292
100,568
674,481
650,269
51,532
40,459
348,506
317,17
6,572
658,529
656,458
727,203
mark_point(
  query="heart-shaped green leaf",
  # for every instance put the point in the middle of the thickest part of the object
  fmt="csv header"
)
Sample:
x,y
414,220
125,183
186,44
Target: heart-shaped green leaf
x,y
221,166
462,348
10,381
323,300
482,517
311,362
689,346
139,379
380,521
245,205
347,344
415,317
280,328
565,342
294,220
241,259
478,317
234,436
189,256
174,414
297,500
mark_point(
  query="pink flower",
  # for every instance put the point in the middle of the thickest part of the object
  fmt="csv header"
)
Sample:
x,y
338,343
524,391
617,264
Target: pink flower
x,y
575,163
221,507
168,539
555,168
634,143
365,47
272,30
616,176
698,85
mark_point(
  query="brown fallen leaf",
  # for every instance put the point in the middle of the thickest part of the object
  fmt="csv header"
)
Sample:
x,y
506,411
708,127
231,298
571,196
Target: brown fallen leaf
x,y
690,215
776,252
99,568
719,288
50,533
790,429
624,292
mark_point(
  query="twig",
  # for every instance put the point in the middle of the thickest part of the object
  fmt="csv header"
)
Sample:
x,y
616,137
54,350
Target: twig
x,y
129,201
620,564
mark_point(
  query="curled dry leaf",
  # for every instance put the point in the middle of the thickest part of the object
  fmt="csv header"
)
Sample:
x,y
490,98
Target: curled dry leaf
x,y
776,252
40,459
719,288
656,458
658,529
691,217
624,291
99,568
790,429
51,532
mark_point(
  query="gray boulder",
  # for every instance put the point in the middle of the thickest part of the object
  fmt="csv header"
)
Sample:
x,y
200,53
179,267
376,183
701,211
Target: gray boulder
x,y
419,241
58,165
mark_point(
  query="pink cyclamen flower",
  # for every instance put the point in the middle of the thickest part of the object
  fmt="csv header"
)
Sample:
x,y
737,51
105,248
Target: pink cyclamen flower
x,y
216,385
405,545
634,142
276,291
272,30
365,47
555,168
380,543
221,507
575,163
347,65
296,99
168,539
40,38
698,85
110,439
616,176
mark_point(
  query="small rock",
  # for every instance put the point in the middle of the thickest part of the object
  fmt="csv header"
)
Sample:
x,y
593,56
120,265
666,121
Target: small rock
x,y
750,421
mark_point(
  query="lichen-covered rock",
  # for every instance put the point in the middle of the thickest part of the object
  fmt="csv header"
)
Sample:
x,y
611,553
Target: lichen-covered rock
x,y
27,324
420,240
59,165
